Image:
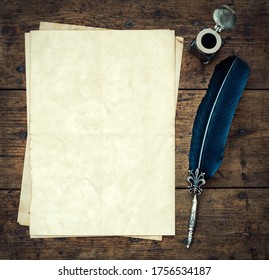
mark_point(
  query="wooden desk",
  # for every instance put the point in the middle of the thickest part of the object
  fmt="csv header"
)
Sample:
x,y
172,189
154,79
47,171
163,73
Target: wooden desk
x,y
233,216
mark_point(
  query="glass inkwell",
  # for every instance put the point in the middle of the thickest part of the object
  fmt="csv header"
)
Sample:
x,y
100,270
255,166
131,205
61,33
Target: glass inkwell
x,y
208,41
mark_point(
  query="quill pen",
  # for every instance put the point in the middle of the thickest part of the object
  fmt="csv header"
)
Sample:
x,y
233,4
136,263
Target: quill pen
x,y
212,124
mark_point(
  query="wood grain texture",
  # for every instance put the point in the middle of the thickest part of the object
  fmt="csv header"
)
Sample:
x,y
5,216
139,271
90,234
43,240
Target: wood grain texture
x,y
233,211
230,226
249,39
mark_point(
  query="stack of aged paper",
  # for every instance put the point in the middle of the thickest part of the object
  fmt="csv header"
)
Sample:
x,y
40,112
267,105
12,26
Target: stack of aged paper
x,y
100,154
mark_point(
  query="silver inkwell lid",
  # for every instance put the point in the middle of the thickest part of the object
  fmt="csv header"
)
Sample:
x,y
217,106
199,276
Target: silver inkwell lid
x,y
224,17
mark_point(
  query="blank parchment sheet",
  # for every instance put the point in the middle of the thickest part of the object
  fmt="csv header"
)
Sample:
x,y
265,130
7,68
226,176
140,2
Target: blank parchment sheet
x,y
101,159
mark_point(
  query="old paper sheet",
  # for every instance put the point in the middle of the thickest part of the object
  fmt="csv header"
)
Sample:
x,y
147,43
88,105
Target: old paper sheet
x,y
25,198
120,159
23,217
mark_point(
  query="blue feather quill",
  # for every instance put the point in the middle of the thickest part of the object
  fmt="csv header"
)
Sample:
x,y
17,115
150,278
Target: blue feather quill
x,y
212,125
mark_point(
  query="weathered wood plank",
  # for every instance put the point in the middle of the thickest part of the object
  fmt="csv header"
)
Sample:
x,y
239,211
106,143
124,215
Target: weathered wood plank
x,y
232,224
233,220
248,39
246,155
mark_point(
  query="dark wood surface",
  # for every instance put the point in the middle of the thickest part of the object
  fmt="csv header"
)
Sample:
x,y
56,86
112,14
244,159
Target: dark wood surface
x,y
233,214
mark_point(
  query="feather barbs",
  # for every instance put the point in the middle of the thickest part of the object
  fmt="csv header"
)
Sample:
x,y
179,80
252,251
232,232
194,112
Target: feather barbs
x,y
214,115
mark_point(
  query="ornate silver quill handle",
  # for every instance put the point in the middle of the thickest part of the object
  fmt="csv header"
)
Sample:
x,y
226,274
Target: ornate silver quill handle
x,y
192,220
196,180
